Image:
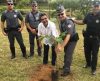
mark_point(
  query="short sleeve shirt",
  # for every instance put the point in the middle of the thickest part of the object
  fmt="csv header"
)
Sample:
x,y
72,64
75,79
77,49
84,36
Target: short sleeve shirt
x,y
93,23
11,18
33,19
68,26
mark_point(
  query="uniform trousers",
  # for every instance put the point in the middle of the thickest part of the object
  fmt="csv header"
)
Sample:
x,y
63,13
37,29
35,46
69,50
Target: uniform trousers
x,y
32,43
11,37
91,48
68,50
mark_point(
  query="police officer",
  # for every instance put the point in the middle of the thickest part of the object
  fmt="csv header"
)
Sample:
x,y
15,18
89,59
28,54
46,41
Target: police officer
x,y
91,37
32,21
70,40
13,29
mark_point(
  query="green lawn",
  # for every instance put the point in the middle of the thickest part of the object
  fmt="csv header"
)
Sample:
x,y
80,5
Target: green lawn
x,y
20,69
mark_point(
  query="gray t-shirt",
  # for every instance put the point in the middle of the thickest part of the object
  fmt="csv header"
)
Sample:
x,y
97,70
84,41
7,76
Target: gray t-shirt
x,y
33,19
11,18
69,26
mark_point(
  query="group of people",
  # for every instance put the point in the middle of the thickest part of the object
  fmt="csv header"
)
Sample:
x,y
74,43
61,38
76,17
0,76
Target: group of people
x,y
38,24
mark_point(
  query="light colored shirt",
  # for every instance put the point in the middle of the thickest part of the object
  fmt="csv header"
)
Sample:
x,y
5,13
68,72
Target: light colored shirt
x,y
50,30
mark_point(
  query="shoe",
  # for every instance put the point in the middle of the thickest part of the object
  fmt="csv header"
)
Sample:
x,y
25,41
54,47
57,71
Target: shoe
x,y
39,54
86,66
25,57
12,57
93,72
30,55
65,74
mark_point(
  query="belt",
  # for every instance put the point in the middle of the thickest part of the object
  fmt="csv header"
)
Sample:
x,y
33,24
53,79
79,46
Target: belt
x,y
92,36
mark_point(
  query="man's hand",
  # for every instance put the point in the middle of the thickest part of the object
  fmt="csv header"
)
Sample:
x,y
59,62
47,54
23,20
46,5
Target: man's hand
x,y
5,34
20,29
59,48
33,31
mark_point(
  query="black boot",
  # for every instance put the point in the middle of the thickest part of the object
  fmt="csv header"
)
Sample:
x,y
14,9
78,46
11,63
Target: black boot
x,y
12,52
31,51
39,51
23,49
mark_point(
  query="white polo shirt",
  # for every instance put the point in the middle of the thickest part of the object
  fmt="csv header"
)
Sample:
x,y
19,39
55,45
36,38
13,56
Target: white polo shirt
x,y
50,30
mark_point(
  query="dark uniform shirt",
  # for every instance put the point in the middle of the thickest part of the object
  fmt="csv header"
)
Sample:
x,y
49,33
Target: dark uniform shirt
x,y
93,23
11,18
69,26
33,19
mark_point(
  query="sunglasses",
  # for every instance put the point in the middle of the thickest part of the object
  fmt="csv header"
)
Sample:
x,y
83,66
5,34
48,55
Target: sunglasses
x,y
10,4
34,6
61,14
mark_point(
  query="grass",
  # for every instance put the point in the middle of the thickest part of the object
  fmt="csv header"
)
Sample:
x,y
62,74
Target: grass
x,y
20,69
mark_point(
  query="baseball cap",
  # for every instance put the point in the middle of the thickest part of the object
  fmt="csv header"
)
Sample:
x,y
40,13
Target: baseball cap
x,y
60,8
10,1
34,3
97,4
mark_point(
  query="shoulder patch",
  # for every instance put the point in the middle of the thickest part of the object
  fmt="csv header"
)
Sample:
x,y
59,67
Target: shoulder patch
x,y
69,26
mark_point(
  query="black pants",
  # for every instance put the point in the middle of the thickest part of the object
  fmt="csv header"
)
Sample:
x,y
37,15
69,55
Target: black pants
x,y
45,58
32,44
68,50
91,48
11,37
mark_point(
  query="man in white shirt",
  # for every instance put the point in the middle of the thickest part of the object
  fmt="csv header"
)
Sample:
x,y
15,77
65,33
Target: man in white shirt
x,y
46,27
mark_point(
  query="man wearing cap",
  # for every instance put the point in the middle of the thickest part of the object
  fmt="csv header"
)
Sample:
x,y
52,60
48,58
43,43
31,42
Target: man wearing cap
x,y
14,28
91,37
70,40
32,21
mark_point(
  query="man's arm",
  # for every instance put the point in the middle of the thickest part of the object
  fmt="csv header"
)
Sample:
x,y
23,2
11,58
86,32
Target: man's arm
x,y
22,26
80,22
2,27
32,30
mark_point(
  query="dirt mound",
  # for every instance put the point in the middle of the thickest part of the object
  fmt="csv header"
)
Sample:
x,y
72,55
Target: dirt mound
x,y
45,73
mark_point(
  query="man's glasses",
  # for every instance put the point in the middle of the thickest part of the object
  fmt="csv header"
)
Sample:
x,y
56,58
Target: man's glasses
x,y
61,14
10,4
34,6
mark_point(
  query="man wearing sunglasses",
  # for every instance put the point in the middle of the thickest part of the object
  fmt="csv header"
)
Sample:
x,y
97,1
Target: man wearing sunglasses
x,y
32,21
91,37
14,28
70,40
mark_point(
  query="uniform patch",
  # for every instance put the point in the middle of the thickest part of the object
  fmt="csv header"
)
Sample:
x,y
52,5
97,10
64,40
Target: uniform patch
x,y
97,21
69,26
15,15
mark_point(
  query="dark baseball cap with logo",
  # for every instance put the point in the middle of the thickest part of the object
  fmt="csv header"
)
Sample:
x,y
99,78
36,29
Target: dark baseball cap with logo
x,y
34,3
60,8
9,1
97,4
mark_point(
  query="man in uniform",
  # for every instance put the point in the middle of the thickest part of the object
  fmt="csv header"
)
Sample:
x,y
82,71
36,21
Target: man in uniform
x,y
91,37
32,21
70,40
13,29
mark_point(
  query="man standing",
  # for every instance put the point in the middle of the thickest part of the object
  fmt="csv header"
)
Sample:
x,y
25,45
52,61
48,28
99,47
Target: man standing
x,y
32,21
70,40
13,29
91,37
47,28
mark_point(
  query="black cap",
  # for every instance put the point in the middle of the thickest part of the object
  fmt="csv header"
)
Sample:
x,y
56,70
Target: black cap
x,y
60,8
34,2
10,1
97,4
